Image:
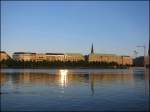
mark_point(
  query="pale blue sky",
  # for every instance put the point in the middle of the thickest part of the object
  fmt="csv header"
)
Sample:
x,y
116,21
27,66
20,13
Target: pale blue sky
x,y
113,26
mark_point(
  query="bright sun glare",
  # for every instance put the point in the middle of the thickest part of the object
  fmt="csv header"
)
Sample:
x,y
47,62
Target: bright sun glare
x,y
63,77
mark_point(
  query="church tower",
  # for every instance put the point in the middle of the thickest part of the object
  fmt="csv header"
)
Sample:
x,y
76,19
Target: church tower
x,y
92,49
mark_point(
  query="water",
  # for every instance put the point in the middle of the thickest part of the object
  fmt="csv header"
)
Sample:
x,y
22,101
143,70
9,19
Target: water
x,y
74,89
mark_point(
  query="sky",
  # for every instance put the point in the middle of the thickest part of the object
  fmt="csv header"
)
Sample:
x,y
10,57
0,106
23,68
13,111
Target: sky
x,y
114,27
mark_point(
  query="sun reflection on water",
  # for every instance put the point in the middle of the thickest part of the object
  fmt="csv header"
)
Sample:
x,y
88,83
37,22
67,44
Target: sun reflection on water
x,y
63,77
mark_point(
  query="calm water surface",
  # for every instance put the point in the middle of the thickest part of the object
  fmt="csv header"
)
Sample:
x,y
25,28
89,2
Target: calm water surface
x,y
74,89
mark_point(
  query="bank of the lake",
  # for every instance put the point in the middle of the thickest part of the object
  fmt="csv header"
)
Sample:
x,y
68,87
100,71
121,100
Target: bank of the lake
x,y
59,64
68,67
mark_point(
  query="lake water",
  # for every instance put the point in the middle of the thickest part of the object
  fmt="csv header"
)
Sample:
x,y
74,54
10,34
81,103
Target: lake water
x,y
75,89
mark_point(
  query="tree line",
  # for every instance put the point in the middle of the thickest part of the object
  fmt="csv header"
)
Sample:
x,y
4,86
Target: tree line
x,y
57,64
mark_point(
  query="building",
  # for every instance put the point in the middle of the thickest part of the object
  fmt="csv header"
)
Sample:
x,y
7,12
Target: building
x,y
121,60
54,56
102,58
24,56
40,57
127,60
73,57
28,56
94,57
4,56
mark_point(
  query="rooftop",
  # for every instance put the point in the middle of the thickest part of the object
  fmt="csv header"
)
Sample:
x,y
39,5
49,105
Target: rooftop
x,y
125,56
73,54
24,53
101,54
54,53
2,52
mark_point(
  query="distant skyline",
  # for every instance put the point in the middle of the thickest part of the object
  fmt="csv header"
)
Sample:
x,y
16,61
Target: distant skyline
x,y
114,27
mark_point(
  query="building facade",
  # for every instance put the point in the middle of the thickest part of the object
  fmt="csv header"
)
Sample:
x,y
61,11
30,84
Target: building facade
x,y
4,56
127,60
102,58
121,60
73,57
24,56
54,56
40,57
27,56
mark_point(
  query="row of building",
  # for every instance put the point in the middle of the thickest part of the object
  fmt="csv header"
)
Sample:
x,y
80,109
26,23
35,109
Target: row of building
x,y
47,56
73,57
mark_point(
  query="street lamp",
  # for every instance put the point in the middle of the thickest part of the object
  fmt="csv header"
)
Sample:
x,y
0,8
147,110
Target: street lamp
x,y
144,53
135,53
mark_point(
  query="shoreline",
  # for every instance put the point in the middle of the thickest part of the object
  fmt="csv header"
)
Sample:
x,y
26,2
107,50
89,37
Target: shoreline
x,y
65,67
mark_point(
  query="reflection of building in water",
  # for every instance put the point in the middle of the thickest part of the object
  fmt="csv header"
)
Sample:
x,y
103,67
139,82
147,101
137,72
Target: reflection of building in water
x,y
30,78
24,77
4,56
95,78
146,77
92,83
112,77
3,78
65,77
